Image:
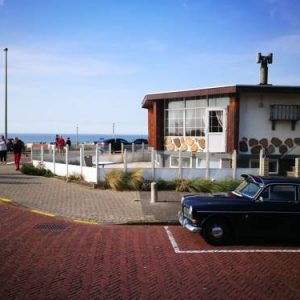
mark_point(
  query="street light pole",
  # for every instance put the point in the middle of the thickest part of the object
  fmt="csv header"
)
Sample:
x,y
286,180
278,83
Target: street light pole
x,y
5,120
77,134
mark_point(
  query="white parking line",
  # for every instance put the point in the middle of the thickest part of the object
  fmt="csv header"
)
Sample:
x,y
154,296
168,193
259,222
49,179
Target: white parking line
x,y
177,250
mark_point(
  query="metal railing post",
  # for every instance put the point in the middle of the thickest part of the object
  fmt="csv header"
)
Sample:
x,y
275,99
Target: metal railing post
x,y
53,158
297,167
233,165
179,175
81,159
153,164
207,165
97,164
125,160
132,151
42,154
67,161
31,153
143,151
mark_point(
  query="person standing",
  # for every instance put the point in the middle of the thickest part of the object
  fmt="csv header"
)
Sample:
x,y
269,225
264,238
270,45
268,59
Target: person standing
x,y
17,149
61,144
68,142
56,140
3,150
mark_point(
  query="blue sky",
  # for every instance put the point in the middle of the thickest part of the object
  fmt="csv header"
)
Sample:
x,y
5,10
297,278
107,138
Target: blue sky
x,y
90,62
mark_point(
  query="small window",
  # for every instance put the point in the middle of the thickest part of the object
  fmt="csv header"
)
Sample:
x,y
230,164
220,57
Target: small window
x,y
273,165
216,121
186,162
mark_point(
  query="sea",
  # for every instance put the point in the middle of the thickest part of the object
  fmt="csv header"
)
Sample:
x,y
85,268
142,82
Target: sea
x,y
45,138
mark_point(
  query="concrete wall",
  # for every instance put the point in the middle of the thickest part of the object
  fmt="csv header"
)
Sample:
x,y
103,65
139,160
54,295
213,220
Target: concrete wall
x,y
255,120
89,173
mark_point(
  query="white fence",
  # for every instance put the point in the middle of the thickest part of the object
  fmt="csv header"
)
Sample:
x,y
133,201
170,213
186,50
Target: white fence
x,y
155,165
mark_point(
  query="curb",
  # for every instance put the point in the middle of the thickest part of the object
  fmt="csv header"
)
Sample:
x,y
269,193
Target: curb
x,y
88,221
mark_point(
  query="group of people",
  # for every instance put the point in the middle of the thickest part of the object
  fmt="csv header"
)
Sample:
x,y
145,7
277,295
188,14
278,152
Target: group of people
x,y
60,142
17,148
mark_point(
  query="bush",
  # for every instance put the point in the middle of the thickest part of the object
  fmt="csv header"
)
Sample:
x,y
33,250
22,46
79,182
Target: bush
x,y
225,185
119,180
200,185
30,169
165,185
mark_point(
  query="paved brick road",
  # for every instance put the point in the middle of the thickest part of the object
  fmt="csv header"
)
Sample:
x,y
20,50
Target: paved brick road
x,y
80,261
77,201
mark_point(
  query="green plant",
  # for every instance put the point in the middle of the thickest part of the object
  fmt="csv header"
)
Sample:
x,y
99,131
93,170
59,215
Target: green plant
x,y
200,185
225,185
30,169
119,180
146,185
164,185
183,185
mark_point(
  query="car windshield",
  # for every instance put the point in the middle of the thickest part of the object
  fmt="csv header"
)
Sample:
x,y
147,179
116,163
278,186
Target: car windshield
x,y
247,188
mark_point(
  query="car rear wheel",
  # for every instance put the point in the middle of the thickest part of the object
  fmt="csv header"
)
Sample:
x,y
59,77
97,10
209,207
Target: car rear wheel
x,y
217,232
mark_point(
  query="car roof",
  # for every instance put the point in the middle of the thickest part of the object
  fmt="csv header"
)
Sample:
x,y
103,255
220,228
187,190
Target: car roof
x,y
265,180
113,139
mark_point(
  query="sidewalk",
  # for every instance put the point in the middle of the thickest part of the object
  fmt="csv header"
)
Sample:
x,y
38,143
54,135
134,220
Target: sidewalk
x,y
72,200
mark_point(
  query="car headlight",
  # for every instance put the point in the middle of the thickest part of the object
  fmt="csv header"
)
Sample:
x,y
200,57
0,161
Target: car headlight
x,y
190,210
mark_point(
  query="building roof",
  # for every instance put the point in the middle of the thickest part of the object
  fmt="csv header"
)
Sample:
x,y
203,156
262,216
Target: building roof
x,y
218,91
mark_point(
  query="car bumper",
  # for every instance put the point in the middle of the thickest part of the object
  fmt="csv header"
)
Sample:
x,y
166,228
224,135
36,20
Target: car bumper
x,y
186,223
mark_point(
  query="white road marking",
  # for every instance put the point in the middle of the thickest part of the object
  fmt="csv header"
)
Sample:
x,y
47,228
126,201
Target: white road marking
x,y
177,250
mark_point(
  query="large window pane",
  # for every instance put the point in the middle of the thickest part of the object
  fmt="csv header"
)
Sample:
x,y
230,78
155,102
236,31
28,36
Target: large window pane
x,y
175,104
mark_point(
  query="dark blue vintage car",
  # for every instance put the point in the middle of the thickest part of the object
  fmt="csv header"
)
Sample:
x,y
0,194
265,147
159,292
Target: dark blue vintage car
x,y
259,206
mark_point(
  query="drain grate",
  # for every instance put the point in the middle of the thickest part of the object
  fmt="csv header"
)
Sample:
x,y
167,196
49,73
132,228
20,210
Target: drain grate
x,y
53,227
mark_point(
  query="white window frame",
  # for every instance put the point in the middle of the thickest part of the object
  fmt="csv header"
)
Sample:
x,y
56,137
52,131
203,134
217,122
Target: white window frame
x,y
182,158
270,160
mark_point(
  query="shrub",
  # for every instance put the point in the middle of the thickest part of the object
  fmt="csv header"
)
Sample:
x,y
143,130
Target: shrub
x,y
30,169
165,185
146,185
183,185
119,180
225,185
200,185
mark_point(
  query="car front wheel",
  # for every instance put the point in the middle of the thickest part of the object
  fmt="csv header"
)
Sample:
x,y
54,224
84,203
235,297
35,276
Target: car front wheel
x,y
217,232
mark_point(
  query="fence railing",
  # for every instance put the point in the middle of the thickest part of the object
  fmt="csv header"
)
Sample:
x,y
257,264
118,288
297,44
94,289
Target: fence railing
x,y
93,164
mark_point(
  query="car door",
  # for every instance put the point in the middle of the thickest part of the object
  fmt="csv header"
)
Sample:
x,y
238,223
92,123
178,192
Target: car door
x,y
277,210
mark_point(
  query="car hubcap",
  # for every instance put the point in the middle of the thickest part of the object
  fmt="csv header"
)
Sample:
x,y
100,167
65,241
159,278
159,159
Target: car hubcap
x,y
217,231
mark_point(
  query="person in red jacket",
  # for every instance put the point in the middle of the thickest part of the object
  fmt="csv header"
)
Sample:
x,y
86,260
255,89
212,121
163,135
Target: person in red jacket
x,y
61,144
17,149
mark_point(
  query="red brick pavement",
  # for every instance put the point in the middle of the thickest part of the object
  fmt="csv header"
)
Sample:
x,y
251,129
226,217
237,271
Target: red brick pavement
x,y
128,262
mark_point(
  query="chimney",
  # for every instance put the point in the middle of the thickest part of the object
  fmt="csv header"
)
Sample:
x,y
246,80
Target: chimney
x,y
264,61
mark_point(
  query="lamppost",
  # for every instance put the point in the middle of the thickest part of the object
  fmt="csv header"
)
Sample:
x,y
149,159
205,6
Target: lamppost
x,y
77,134
5,119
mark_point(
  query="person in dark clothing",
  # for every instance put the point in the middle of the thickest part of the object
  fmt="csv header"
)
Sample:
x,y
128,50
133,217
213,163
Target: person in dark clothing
x,y
3,150
68,142
17,149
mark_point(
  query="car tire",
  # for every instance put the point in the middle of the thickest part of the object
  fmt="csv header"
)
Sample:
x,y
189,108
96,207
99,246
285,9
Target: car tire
x,y
217,232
